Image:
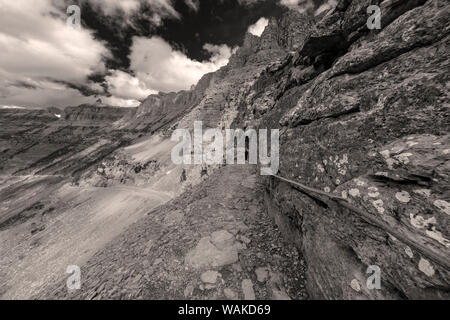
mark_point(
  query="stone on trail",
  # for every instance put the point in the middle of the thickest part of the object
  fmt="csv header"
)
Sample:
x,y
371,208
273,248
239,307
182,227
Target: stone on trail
x,y
188,291
237,267
245,239
230,294
209,276
277,288
222,239
157,261
241,246
249,182
279,295
206,254
261,274
247,289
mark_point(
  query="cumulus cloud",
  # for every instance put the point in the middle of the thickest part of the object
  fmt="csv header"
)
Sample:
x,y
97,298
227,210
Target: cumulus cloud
x,y
300,5
119,102
125,86
193,4
159,67
309,5
290,3
43,62
162,8
258,28
40,53
111,7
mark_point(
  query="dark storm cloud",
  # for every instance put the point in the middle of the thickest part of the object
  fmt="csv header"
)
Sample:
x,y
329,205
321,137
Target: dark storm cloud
x,y
213,22
216,22
85,90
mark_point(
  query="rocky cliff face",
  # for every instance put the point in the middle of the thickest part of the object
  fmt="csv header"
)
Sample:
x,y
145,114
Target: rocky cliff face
x,y
215,99
364,115
102,115
159,110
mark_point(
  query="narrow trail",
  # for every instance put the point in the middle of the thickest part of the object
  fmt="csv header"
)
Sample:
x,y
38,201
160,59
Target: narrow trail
x,y
36,253
215,241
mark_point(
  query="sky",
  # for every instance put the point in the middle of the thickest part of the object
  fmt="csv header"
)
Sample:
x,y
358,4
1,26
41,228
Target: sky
x,y
123,51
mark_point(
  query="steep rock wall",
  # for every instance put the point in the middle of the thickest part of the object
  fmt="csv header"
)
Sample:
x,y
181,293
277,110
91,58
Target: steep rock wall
x,y
365,115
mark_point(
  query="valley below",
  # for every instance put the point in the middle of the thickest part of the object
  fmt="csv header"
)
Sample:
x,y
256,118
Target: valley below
x,y
63,228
